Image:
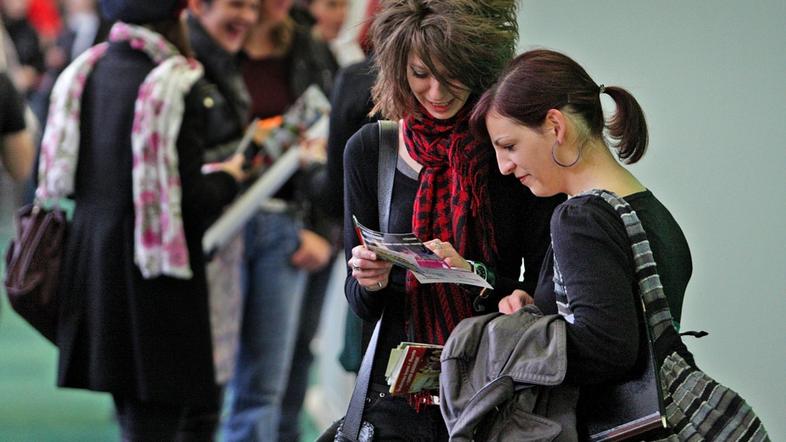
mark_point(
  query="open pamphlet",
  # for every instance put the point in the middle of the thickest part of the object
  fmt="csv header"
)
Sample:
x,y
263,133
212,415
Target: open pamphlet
x,y
413,367
406,250
272,152
266,140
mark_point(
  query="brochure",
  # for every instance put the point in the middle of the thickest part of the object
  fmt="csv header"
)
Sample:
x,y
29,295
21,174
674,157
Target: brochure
x,y
406,250
272,152
413,367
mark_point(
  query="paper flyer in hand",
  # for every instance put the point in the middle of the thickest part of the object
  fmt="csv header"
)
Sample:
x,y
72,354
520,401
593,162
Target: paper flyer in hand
x,y
413,367
272,152
406,250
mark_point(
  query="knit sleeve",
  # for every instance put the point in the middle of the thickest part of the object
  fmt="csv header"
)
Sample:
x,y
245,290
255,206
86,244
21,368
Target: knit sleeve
x,y
360,200
592,257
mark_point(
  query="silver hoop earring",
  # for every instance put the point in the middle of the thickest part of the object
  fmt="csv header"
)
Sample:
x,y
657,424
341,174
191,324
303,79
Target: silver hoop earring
x,y
554,156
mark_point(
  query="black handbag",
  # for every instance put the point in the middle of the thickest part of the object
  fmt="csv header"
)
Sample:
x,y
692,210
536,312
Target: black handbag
x,y
33,264
692,405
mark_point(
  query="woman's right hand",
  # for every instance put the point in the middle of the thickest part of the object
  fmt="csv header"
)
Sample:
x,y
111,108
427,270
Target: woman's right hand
x,y
232,166
371,273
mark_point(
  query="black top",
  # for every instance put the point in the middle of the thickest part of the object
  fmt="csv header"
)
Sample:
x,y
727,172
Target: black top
x,y
12,111
308,62
26,42
227,103
593,255
520,223
350,105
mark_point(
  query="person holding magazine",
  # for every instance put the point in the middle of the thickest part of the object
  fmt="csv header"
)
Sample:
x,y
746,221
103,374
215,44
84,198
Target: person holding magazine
x,y
546,123
434,59
288,245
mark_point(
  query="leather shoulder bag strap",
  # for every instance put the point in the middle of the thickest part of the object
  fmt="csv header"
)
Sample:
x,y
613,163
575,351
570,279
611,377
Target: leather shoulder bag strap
x,y
388,157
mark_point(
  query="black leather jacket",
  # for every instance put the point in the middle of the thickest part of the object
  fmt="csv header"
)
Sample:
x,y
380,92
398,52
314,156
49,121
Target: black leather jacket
x,y
227,103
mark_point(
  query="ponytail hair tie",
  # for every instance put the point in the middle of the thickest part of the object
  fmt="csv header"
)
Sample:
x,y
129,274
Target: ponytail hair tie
x,y
601,89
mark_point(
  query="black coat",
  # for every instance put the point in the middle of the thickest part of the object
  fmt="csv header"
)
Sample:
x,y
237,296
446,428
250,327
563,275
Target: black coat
x,y
119,333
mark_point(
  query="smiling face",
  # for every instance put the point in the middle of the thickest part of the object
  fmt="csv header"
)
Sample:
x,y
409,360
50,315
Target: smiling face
x,y
525,153
227,21
440,101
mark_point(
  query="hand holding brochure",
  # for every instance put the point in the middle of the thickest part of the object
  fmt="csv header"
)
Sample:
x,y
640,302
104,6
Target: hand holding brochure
x,y
406,250
272,152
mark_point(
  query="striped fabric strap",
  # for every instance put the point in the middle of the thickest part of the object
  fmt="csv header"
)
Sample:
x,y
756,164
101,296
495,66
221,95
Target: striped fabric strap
x,y
697,407
656,307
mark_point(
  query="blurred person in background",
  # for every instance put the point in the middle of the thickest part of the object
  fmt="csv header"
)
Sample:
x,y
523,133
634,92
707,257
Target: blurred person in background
x,y
289,245
134,316
326,20
329,17
26,43
217,30
16,143
351,104
44,15
84,28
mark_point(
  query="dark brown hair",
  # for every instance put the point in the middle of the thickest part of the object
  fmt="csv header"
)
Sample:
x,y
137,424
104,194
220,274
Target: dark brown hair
x,y
175,31
470,39
539,80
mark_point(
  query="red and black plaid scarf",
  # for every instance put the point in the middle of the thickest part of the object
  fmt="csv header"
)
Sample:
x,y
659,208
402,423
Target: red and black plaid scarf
x,y
452,204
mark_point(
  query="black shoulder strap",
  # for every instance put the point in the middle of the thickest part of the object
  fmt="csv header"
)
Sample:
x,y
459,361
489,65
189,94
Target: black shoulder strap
x,y
388,157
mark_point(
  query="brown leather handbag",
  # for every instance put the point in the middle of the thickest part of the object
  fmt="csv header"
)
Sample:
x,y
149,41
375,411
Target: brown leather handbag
x,y
33,266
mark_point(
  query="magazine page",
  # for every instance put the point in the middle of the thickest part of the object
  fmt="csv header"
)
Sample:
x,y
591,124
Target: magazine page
x,y
406,250
272,151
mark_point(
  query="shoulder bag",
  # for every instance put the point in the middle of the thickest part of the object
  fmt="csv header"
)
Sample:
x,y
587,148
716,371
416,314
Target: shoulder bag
x,y
695,406
33,266
354,428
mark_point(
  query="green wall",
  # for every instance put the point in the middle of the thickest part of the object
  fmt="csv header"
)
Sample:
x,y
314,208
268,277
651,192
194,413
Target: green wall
x,y
711,77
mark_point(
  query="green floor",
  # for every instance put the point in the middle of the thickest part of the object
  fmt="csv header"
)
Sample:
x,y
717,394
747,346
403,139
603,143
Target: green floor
x,y
31,408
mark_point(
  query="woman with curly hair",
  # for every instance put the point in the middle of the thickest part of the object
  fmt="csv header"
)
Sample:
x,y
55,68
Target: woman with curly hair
x,y
434,59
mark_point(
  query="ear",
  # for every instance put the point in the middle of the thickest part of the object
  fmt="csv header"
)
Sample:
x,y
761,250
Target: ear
x,y
557,124
196,7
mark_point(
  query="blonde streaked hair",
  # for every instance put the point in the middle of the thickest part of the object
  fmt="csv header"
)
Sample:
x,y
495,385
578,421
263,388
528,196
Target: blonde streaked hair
x,y
471,41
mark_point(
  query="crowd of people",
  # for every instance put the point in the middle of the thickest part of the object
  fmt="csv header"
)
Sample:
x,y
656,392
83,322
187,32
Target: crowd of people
x,y
496,158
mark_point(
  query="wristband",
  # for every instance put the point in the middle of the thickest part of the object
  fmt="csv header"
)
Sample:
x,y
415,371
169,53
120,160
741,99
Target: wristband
x,y
484,272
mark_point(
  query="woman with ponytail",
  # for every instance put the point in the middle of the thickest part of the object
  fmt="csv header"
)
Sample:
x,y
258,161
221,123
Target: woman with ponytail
x,y
545,121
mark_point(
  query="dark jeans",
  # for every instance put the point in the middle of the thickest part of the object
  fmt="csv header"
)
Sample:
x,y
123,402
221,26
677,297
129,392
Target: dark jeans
x,y
149,421
394,420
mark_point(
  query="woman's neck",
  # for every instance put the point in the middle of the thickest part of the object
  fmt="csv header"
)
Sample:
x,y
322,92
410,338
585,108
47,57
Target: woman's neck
x,y
260,42
598,169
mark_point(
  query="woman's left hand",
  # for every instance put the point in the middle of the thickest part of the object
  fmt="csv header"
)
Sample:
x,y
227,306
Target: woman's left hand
x,y
314,252
514,302
447,253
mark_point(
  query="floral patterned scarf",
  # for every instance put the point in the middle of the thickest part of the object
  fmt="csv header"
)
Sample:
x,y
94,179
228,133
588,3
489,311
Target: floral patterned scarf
x,y
159,240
